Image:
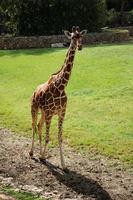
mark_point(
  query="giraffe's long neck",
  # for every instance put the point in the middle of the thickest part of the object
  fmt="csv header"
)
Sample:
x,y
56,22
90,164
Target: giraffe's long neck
x,y
65,72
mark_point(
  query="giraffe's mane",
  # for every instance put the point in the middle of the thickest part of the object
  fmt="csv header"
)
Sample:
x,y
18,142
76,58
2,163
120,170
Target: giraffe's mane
x,y
58,71
54,74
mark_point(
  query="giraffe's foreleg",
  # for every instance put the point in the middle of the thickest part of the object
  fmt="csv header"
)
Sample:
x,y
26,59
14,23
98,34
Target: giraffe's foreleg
x,y
34,113
48,122
60,128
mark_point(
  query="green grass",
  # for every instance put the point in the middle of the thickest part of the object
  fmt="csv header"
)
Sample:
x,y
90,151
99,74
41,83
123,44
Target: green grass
x,y
100,108
19,195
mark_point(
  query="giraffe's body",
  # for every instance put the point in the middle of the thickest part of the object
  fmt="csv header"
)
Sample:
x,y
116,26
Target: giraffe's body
x,y
51,99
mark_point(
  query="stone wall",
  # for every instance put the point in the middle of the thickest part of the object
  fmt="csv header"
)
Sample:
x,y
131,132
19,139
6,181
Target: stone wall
x,y
107,37
130,29
46,41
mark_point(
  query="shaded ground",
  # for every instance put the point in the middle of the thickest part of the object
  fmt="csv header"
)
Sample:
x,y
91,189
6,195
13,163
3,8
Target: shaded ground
x,y
86,178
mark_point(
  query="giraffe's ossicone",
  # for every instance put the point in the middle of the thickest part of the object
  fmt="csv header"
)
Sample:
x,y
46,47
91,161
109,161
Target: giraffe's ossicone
x,y
50,98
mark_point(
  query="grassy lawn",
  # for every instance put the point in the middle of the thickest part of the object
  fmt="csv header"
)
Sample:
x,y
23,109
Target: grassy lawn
x,y
19,195
100,108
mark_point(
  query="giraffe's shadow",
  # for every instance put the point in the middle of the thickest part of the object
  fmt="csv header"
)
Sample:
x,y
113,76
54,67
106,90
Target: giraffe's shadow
x,y
78,182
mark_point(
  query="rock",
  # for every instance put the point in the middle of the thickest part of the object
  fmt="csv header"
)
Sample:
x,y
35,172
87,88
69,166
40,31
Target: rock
x,y
7,181
58,45
6,197
32,188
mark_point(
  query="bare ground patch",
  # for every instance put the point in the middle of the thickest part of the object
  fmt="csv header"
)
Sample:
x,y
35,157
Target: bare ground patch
x,y
86,178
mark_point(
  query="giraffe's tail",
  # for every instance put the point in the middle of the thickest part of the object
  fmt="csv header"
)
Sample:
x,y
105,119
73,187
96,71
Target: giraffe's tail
x,y
34,114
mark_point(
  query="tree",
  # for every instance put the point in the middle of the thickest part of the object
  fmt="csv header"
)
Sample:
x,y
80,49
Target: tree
x,y
41,17
9,16
120,11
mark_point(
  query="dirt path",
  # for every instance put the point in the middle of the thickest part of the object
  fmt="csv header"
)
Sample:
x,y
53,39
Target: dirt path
x,y
99,179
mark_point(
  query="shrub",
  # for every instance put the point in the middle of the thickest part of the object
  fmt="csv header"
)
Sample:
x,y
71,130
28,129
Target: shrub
x,y
128,18
113,17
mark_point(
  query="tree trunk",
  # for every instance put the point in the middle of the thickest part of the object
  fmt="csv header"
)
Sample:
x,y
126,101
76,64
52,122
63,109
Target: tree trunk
x,y
123,3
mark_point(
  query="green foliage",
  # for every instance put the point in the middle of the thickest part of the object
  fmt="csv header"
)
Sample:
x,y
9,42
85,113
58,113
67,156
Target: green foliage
x,y
114,18
128,18
100,100
9,11
43,17
119,12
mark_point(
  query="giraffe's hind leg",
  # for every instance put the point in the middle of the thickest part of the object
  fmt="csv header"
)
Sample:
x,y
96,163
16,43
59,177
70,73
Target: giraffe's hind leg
x,y
47,122
40,125
34,113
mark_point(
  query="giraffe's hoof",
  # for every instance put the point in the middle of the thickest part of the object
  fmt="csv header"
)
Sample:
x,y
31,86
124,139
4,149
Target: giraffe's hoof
x,y
31,153
48,156
65,169
43,160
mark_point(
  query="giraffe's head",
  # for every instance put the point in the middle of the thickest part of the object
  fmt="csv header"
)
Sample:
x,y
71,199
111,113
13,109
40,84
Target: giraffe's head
x,y
76,36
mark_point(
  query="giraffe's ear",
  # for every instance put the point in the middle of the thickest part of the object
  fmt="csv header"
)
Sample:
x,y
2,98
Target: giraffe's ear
x,y
67,34
84,32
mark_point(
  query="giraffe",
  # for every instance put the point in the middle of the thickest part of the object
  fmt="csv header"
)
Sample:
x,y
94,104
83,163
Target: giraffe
x,y
50,98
